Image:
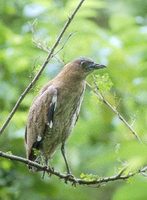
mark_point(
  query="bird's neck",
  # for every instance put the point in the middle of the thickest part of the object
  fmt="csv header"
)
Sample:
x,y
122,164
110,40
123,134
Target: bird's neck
x,y
70,78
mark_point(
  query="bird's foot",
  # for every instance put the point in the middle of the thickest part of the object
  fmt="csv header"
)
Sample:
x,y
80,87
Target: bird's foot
x,y
68,177
51,170
48,170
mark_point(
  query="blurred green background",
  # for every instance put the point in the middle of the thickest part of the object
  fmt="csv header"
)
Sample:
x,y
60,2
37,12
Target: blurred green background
x,y
112,32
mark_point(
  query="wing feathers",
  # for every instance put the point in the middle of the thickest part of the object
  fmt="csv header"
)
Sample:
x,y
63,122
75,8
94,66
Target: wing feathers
x,y
41,114
51,110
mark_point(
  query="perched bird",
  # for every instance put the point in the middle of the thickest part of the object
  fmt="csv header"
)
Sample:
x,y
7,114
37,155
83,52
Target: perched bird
x,y
55,110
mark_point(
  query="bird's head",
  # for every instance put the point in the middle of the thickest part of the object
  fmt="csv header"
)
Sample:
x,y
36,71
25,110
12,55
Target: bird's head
x,y
87,65
79,68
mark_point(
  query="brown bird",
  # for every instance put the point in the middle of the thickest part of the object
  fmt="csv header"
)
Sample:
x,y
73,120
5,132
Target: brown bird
x,y
55,110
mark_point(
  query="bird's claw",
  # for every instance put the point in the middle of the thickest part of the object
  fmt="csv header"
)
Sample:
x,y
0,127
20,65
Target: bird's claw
x,y
69,176
74,183
47,169
51,170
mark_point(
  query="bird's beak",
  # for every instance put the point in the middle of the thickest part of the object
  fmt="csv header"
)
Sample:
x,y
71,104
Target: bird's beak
x,y
97,66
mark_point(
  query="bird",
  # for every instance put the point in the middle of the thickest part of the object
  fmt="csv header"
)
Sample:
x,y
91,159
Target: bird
x,y
55,110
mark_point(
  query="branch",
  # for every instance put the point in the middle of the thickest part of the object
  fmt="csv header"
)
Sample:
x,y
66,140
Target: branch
x,y
50,55
45,48
94,181
100,96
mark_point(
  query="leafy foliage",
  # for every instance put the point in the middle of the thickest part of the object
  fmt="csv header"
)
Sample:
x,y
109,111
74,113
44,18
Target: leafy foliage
x,y
112,33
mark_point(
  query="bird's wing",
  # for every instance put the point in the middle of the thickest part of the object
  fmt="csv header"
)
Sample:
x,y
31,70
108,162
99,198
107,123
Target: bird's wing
x,y
40,117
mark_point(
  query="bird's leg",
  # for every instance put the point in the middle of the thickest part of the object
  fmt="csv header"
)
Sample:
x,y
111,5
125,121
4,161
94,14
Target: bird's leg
x,y
65,160
46,165
45,161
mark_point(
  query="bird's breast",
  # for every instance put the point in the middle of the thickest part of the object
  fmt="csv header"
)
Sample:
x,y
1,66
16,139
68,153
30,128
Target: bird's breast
x,y
68,110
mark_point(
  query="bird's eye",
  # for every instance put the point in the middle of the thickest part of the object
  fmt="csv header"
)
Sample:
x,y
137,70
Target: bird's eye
x,y
83,63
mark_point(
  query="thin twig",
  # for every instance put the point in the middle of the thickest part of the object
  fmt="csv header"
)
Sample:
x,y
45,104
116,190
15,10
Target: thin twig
x,y
45,48
69,36
41,46
50,55
100,96
97,181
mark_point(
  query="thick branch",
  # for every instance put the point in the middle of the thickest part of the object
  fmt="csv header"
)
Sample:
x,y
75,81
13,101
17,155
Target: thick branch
x,y
50,55
95,181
